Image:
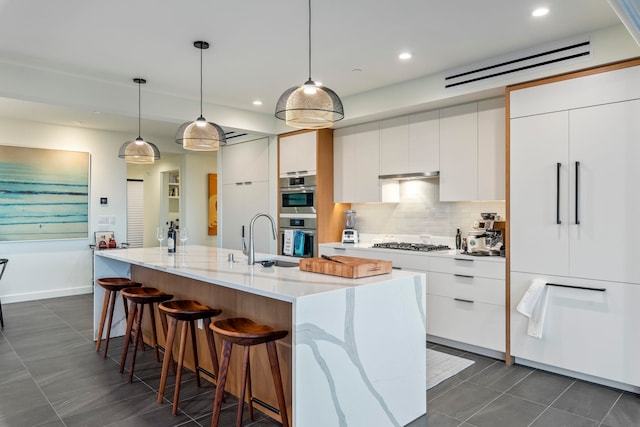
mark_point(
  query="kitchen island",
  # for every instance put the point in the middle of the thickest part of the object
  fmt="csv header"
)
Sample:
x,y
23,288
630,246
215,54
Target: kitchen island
x,y
355,354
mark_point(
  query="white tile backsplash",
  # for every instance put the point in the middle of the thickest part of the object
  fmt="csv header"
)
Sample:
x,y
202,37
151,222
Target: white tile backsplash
x,y
420,212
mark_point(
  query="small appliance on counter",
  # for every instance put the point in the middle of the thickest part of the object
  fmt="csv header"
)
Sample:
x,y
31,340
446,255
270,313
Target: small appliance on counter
x,y
487,236
349,234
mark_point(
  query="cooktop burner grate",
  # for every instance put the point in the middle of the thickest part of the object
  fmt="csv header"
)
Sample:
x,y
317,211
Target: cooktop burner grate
x,y
420,247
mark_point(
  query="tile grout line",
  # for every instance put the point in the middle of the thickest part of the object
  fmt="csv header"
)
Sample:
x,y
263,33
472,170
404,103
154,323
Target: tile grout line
x,y
610,409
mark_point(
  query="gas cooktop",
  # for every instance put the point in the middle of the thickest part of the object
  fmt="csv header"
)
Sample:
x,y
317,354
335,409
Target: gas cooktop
x,y
420,247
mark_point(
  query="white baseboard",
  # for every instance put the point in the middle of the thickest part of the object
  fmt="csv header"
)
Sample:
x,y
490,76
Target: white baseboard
x,y
467,347
55,293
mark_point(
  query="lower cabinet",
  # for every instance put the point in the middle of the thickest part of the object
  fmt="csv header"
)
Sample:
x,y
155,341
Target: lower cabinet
x,y
465,296
466,301
586,331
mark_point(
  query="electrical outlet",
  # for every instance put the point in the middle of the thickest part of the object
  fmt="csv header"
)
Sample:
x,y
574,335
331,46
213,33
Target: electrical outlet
x,y
200,324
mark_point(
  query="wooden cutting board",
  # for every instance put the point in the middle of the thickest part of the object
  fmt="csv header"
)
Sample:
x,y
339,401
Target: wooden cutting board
x,y
348,266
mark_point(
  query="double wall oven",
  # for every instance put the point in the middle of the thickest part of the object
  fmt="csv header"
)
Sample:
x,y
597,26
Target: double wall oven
x,y
298,216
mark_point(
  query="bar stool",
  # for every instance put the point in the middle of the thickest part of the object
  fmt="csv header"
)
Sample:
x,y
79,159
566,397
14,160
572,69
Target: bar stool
x,y
112,287
139,297
3,263
186,311
246,333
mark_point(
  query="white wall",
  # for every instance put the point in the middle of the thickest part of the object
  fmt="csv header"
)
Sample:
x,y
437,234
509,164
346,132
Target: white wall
x,y
52,268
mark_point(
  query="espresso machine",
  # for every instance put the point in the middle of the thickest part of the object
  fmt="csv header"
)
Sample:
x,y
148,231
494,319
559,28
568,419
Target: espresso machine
x,y
349,234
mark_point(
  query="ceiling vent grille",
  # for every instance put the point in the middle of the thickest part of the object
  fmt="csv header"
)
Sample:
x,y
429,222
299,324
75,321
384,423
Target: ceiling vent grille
x,y
536,58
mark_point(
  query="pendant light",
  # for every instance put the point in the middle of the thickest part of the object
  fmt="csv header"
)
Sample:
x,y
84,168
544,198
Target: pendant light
x,y
200,135
309,106
139,151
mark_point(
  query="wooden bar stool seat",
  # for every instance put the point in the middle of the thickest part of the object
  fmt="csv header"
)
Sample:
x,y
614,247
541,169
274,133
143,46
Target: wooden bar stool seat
x,y
187,312
112,287
139,297
245,332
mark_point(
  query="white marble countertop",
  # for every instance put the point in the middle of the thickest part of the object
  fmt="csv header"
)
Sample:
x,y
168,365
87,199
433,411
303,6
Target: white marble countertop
x,y
211,265
448,254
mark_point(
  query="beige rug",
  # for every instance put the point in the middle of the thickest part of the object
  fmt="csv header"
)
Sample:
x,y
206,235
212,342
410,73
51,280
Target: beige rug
x,y
441,366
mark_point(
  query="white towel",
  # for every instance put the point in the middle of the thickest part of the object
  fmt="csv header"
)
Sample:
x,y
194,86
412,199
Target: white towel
x,y
287,244
534,305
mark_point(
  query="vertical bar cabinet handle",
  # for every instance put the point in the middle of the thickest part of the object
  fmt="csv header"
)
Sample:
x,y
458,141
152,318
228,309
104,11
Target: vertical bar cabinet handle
x,y
577,188
558,166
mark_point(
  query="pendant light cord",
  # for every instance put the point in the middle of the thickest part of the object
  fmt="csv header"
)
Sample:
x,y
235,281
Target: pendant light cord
x,y
139,109
201,48
309,39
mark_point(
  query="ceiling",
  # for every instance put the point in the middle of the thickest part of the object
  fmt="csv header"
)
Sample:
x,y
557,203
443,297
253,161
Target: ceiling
x,y
259,48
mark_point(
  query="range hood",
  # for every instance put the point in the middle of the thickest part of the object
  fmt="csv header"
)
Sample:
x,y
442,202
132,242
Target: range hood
x,y
411,175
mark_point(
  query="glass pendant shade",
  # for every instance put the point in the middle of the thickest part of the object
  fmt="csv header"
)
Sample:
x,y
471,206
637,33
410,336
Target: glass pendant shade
x,y
139,152
300,108
309,106
200,135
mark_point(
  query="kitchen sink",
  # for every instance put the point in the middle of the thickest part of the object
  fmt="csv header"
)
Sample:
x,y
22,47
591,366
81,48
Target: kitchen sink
x,y
278,263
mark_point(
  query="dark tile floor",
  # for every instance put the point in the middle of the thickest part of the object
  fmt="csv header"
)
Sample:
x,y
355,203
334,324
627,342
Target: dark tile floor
x,y
50,375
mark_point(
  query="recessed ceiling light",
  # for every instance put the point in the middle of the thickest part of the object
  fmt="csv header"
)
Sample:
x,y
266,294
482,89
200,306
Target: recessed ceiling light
x,y
541,11
357,70
257,102
404,56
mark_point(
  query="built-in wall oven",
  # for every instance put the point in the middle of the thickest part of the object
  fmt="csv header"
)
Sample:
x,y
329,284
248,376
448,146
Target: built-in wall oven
x,y
298,236
298,195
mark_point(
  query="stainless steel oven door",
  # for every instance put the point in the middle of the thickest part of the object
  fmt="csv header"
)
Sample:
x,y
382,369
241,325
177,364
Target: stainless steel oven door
x,y
304,247
298,201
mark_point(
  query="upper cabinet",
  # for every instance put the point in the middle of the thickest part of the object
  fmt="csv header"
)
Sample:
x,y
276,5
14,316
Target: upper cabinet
x,y
472,151
410,144
357,166
246,162
298,154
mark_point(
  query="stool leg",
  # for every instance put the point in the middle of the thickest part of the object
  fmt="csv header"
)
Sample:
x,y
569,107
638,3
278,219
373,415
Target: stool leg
x,y
127,337
1,317
212,346
138,337
103,317
277,381
194,347
168,358
245,377
111,308
165,328
154,333
222,379
248,385
183,345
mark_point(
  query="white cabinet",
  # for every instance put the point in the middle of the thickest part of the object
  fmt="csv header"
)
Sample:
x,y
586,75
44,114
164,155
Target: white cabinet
x,y
410,144
245,192
245,161
356,165
466,301
394,146
424,142
573,209
472,151
459,153
588,331
297,154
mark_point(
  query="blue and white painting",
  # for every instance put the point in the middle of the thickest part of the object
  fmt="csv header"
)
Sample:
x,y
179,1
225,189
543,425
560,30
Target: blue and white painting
x,y
44,194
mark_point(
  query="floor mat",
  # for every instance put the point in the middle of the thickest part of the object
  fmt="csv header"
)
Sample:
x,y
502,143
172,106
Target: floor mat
x,y
441,366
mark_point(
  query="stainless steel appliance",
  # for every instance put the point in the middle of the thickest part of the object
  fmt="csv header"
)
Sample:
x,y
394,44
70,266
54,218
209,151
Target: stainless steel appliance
x,y
298,195
349,234
420,247
307,242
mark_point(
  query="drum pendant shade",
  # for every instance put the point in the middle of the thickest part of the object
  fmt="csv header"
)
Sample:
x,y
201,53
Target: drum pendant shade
x,y
139,151
309,106
200,135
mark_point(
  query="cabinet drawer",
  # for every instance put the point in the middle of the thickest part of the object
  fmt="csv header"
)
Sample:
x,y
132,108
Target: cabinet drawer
x,y
470,323
477,289
584,330
467,266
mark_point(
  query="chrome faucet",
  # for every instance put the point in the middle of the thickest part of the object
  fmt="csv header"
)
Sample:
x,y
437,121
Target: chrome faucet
x,y
252,255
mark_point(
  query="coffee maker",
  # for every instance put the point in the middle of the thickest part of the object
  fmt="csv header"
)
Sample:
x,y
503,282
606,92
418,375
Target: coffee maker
x,y
349,234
